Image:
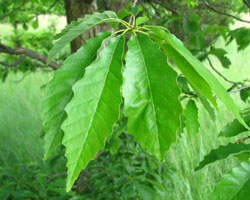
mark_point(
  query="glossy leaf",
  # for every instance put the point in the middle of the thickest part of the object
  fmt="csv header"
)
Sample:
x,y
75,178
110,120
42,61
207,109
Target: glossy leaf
x,y
88,22
234,128
206,104
223,152
174,47
93,110
244,192
191,115
151,96
184,66
231,184
58,92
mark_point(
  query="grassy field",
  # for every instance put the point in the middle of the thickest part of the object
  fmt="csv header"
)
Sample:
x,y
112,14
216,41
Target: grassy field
x,y
21,129
20,120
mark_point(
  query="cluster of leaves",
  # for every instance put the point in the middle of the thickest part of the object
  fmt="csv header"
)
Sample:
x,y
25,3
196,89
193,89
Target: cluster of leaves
x,y
235,184
82,102
32,181
25,12
126,173
201,25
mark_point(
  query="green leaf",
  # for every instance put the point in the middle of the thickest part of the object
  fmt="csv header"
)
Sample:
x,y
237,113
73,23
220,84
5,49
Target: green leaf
x,y
141,20
190,26
93,110
190,73
241,35
234,128
68,27
243,156
231,184
151,96
88,22
146,192
58,92
206,104
35,24
244,192
245,94
195,80
183,84
123,13
174,44
220,54
223,152
225,62
135,10
114,146
191,115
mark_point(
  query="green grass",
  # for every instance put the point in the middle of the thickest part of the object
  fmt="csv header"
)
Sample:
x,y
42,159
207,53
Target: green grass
x,y
20,119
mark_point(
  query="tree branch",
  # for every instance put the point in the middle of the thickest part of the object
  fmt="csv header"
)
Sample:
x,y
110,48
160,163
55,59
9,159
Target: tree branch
x,y
242,140
246,3
174,12
28,53
14,10
162,4
14,64
52,5
227,80
223,13
239,89
55,176
134,4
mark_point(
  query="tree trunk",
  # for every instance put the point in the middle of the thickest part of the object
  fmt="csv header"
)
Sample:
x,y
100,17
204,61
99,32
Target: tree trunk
x,y
78,8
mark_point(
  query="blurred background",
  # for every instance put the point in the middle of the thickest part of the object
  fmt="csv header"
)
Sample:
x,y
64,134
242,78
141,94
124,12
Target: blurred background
x,y
217,32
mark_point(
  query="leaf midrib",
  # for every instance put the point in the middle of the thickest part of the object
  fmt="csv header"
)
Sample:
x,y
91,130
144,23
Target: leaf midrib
x,y
150,90
91,122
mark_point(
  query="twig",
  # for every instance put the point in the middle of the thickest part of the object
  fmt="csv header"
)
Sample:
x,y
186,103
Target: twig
x,y
191,94
239,89
55,176
134,4
82,178
145,9
156,10
14,64
166,7
24,76
242,140
221,75
27,52
235,91
52,5
246,3
223,13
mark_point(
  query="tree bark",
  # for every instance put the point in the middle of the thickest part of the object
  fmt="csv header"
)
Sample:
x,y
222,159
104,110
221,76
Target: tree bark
x,y
78,8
